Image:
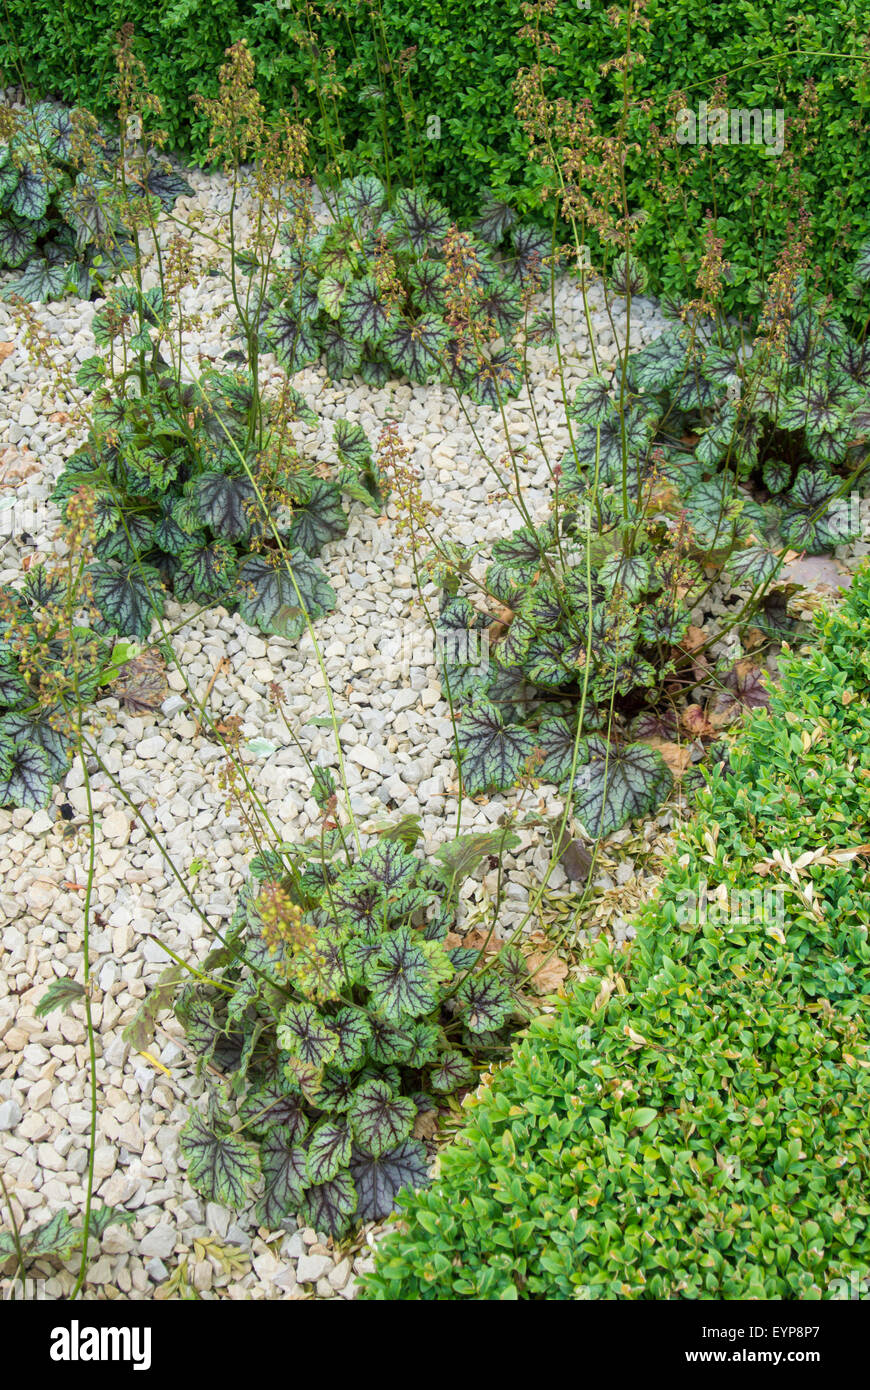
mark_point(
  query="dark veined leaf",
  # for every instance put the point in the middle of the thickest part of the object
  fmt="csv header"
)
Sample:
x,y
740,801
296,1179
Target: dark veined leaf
x,y
501,306
273,1107
379,1120
293,341
25,776
362,199
59,995
452,1070
421,223
165,183
365,315
813,518
629,573
524,551
416,348
320,520
41,586
492,753
303,1033
654,724
495,221
389,1044
284,1172
205,571
225,503
861,268
13,687
485,1001
716,441
745,686
556,738
716,510
605,440
269,599
91,374
659,366
354,1035
169,537
330,1206
39,281
378,1181
32,192
400,978
776,475
375,370
428,281
126,543
102,1217
427,1037
592,401
221,1166
56,1238
390,866
17,241
754,567
628,276
324,786
342,354
497,378
328,1151
129,598
531,247
352,444
614,784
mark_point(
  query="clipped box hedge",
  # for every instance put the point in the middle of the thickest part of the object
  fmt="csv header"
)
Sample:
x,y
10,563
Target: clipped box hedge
x,y
462,134
703,1134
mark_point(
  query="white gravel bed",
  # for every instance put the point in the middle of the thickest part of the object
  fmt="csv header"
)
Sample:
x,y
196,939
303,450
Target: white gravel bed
x,y
397,739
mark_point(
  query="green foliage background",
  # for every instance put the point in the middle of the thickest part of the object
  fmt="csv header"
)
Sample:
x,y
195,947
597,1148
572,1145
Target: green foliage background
x,y
467,54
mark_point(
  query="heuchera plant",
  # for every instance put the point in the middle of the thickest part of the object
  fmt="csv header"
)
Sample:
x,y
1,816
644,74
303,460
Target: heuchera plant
x,y
391,289
691,465
776,434
199,490
60,220
337,1010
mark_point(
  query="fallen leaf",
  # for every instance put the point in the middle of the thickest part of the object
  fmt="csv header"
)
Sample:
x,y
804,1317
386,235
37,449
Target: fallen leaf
x,y
576,860
744,687
6,349
695,722
426,1125
675,755
695,637
141,684
547,972
59,417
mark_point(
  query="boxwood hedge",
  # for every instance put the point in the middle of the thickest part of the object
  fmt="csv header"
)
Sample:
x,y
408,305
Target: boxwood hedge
x,y
691,1123
461,134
